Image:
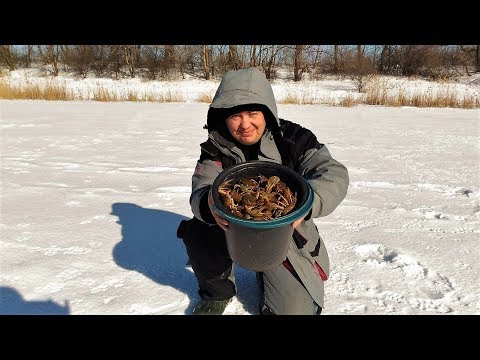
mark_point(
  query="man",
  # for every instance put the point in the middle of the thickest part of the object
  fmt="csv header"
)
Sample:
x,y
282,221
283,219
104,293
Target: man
x,y
243,125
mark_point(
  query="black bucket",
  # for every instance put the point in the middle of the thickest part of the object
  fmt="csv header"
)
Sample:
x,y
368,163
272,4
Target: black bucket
x,y
261,245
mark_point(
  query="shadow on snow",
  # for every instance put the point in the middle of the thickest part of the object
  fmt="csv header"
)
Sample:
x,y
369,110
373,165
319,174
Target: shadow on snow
x,y
12,303
150,246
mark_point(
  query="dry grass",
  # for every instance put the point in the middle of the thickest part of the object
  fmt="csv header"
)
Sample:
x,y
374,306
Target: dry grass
x,y
376,93
133,96
290,98
305,98
308,99
444,98
205,97
105,95
149,97
348,101
49,91
171,96
471,102
55,91
328,100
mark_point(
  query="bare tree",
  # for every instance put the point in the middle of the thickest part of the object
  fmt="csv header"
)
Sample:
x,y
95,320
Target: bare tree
x,y
101,59
316,56
152,56
185,59
477,58
168,60
29,56
8,56
227,58
131,53
206,62
423,60
233,60
471,56
269,59
196,59
335,59
382,60
220,58
116,62
332,61
299,64
359,58
80,58
358,66
253,56
66,58
362,69
50,55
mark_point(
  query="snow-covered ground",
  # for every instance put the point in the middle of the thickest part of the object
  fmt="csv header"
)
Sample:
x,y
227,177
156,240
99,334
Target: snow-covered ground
x,y
328,90
92,193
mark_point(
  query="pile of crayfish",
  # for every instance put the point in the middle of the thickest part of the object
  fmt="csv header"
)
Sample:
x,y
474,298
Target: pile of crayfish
x,y
257,198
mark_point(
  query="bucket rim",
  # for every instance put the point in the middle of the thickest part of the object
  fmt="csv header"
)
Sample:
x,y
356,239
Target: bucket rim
x,y
273,223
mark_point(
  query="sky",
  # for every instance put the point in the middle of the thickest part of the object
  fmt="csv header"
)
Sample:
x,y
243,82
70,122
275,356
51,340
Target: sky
x,y
92,194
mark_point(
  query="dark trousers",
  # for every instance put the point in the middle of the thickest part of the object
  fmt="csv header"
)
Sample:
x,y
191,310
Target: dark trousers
x,y
207,250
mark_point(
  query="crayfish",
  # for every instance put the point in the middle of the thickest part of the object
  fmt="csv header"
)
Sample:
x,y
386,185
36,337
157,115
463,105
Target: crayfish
x,y
257,198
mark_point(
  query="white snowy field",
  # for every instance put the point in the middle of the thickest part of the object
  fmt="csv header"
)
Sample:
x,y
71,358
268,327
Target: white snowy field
x,y
328,90
92,193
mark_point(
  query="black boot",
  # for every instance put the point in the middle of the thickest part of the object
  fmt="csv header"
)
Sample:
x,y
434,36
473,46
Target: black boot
x,y
210,307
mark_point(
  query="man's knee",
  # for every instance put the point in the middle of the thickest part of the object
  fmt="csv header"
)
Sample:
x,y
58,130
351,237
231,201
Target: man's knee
x,y
284,294
206,247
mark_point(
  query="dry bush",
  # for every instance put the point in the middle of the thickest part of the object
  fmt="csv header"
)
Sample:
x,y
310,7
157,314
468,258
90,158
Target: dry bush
x,y
470,101
376,91
132,96
53,91
363,81
104,94
5,89
205,97
300,98
328,100
290,98
308,99
149,97
78,95
171,96
348,101
446,97
50,91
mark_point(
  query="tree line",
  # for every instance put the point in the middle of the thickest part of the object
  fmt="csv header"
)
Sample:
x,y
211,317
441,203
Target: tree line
x,y
166,62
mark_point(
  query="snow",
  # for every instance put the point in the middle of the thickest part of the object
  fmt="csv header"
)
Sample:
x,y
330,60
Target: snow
x,y
92,194
329,89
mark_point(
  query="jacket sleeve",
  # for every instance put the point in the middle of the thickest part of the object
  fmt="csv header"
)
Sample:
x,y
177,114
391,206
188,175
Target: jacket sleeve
x,y
328,177
205,173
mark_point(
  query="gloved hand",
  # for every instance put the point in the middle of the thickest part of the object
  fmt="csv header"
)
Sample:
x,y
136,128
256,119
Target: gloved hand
x,y
223,223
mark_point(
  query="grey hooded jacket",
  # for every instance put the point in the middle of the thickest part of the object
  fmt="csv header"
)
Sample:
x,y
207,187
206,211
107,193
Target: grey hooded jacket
x,y
328,178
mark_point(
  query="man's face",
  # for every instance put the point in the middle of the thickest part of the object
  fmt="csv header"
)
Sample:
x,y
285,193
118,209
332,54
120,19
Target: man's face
x,y
246,127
